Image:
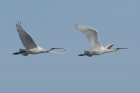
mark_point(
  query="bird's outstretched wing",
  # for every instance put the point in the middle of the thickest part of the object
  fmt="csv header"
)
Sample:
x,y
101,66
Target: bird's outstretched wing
x,y
25,38
58,52
92,35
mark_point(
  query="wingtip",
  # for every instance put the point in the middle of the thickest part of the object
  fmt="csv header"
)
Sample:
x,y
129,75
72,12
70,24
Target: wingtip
x,y
62,52
76,25
18,23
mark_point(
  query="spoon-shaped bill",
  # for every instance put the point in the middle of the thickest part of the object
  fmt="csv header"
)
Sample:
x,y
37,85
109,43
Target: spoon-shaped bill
x,y
122,48
57,48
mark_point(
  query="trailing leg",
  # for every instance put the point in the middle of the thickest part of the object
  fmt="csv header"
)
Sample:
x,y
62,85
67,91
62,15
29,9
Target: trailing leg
x,y
22,52
85,53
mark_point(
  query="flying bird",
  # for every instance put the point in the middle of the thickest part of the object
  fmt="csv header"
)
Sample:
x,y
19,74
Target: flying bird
x,y
96,47
30,45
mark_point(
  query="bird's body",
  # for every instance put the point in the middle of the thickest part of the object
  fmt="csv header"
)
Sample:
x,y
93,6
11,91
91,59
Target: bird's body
x,y
96,47
30,45
36,50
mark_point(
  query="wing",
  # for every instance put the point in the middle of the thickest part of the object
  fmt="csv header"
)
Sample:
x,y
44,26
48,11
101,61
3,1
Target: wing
x,y
25,38
91,34
109,46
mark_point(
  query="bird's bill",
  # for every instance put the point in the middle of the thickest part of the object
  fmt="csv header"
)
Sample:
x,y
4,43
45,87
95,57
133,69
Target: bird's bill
x,y
57,48
122,48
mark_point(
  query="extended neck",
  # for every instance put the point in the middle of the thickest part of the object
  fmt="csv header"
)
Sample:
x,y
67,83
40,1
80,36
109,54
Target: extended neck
x,y
110,50
45,50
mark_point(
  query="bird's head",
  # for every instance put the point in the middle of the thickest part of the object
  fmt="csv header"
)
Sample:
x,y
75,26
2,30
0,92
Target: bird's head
x,y
51,48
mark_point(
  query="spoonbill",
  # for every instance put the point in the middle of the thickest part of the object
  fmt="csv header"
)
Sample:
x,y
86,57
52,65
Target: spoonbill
x,y
96,47
30,45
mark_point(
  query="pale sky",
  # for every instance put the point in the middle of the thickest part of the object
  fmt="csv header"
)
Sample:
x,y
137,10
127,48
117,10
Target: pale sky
x,y
51,23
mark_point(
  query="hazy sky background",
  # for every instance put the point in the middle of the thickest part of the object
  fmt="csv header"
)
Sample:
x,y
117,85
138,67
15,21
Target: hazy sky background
x,y
52,23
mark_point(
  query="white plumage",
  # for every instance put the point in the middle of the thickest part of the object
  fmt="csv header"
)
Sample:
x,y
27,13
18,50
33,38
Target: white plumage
x,y
96,47
30,45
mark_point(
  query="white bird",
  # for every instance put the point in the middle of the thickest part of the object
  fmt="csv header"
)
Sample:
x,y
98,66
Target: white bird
x,y
30,45
96,47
